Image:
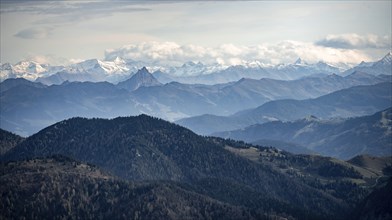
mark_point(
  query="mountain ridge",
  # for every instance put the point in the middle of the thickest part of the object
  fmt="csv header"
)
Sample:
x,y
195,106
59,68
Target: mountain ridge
x,y
170,101
354,101
342,139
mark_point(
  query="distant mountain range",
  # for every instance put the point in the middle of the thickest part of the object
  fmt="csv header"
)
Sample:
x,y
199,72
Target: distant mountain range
x,y
147,167
27,107
340,138
92,70
293,71
79,159
354,101
382,66
11,83
118,69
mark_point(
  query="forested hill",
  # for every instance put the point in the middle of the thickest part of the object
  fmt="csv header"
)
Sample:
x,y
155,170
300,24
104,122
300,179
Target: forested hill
x,y
8,140
143,148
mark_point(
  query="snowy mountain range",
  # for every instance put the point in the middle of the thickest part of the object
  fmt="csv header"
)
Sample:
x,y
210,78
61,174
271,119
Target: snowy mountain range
x,y
93,70
118,69
27,69
383,66
252,70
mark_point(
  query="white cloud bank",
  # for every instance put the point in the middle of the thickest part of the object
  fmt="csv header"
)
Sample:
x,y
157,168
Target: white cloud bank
x,y
171,53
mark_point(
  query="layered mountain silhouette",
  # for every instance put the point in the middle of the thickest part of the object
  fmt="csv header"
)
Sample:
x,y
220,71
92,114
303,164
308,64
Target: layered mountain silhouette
x,y
28,107
337,138
383,66
11,83
351,102
306,141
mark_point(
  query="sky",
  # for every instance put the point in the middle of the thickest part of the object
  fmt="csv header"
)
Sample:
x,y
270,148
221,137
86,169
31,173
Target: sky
x,y
174,32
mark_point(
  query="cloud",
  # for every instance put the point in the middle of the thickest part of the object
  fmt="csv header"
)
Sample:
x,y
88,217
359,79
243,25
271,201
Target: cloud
x,y
55,14
75,12
355,41
171,53
35,33
49,7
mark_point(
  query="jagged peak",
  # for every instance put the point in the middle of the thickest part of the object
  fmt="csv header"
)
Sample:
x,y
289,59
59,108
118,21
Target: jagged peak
x,y
387,58
141,78
299,61
143,70
118,60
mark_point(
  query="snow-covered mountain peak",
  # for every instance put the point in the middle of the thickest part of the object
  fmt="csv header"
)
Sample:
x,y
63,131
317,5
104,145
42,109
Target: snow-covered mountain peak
x,y
29,66
189,68
326,67
86,65
30,70
387,59
95,66
119,61
255,64
382,66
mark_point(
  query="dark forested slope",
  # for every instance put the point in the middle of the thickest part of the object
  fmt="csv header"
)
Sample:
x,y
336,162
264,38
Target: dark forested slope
x,y
8,140
263,181
144,148
58,187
